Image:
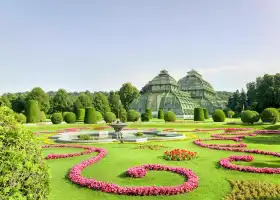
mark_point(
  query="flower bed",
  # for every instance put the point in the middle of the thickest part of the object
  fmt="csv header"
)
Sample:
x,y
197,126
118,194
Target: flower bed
x,y
267,132
75,175
179,155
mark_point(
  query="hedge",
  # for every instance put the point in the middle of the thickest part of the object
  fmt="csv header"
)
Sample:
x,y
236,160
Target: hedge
x,y
132,116
70,118
33,111
161,114
109,117
145,117
270,115
91,116
198,114
206,114
21,118
42,116
56,118
249,116
123,115
80,115
149,112
170,116
218,116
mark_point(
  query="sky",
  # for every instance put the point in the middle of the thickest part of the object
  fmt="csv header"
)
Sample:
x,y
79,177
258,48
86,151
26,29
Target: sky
x,y
99,45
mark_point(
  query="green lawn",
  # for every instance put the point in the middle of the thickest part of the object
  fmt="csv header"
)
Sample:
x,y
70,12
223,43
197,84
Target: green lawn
x,y
213,180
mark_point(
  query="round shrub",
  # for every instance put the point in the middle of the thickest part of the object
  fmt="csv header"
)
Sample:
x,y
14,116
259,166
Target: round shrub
x,y
169,116
161,114
80,115
230,113
149,112
218,116
145,117
198,114
109,117
123,115
98,116
206,114
257,116
91,116
42,116
24,174
132,116
64,113
33,111
56,118
270,115
70,118
249,116
21,118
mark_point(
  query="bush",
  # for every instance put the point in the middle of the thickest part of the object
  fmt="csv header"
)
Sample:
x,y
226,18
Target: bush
x,y
235,115
24,174
80,115
149,112
32,112
206,114
64,113
21,118
98,116
70,118
145,117
139,134
218,116
123,115
230,113
132,116
42,116
270,115
91,116
84,137
161,114
169,116
56,118
109,117
250,117
198,114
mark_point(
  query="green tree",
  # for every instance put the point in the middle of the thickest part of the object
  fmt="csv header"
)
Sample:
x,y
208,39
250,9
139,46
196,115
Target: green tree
x,y
84,100
19,105
115,103
243,100
4,101
128,93
39,95
61,101
100,103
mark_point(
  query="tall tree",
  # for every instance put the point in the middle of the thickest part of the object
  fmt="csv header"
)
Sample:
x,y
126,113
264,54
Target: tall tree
x,y
100,103
251,93
61,101
39,95
84,100
128,93
115,103
4,101
243,101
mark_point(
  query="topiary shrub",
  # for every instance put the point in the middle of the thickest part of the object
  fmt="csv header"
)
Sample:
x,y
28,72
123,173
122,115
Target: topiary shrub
x,y
218,116
230,113
270,115
249,116
132,116
56,118
98,116
32,112
42,116
70,118
21,118
145,117
206,114
123,115
64,113
80,115
149,112
161,114
109,117
198,114
24,174
170,116
91,116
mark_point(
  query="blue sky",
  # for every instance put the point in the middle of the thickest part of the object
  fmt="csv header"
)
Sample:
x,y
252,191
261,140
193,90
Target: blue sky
x,y
98,45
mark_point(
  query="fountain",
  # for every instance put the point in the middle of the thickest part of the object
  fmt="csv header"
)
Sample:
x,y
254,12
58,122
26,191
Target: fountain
x,y
118,126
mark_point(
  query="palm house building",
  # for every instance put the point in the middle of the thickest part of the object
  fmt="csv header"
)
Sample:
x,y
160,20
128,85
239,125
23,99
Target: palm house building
x,y
163,92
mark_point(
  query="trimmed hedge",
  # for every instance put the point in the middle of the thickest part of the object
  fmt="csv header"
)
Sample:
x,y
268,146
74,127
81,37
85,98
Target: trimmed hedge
x,y
132,116
42,116
270,115
21,118
33,111
70,118
123,115
145,117
218,116
170,116
206,114
80,115
90,116
149,112
198,114
24,173
56,118
161,114
109,117
250,117
64,113
98,116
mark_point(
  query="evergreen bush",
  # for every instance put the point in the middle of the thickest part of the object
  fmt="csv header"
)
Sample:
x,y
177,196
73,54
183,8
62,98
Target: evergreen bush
x,y
21,118
24,173
56,118
70,118
270,115
230,114
145,117
80,115
161,114
206,114
170,116
198,114
98,116
91,116
149,112
42,116
249,116
64,113
132,116
123,115
32,112
109,117
218,116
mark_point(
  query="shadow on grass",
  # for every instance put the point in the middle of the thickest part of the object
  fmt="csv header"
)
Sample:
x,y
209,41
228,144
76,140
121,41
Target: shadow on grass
x,y
268,139
273,127
261,164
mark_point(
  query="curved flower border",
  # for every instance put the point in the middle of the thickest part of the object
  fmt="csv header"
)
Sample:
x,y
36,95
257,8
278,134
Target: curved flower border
x,y
75,175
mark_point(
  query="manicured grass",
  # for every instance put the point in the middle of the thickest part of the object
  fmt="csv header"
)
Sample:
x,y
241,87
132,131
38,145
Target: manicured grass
x,y
213,180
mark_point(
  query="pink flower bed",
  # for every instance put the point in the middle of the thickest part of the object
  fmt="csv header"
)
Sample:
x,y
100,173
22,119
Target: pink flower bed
x,y
75,175
267,132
